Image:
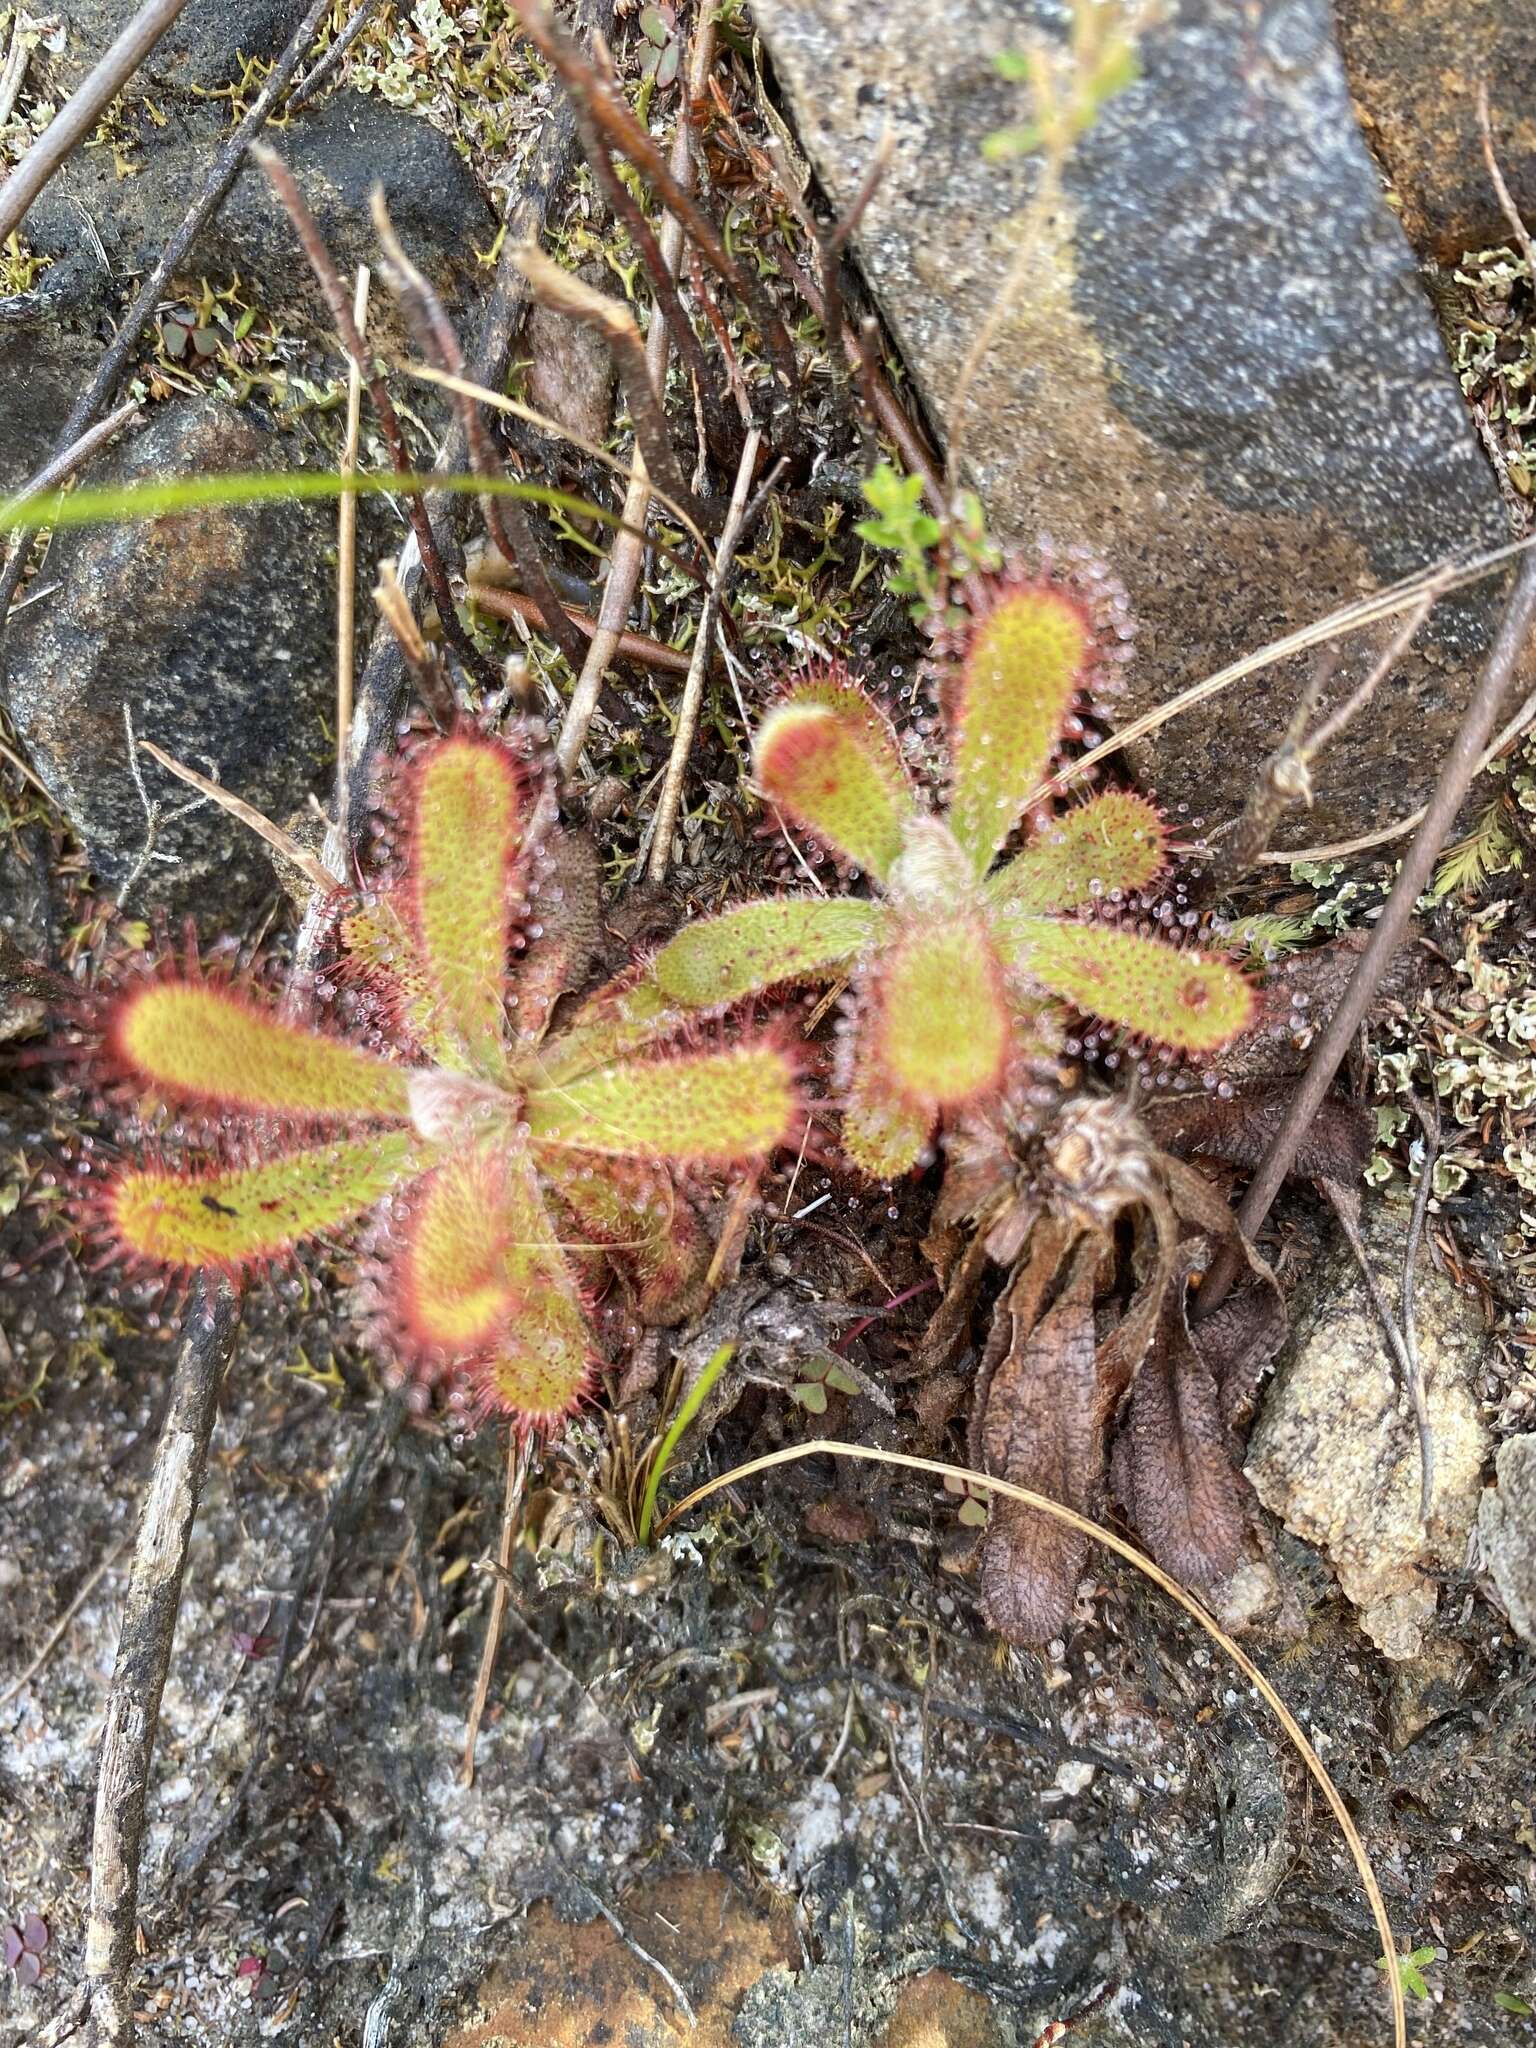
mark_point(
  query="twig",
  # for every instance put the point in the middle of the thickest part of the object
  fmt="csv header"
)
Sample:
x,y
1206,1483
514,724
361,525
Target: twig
x,y
1429,1121
83,109
58,469
1505,197
513,604
625,134
346,556
693,686
643,1954
612,321
14,69
220,177
519,1454
505,518
1390,930
318,256
1286,777
330,57
280,841
144,1656
628,553
60,1629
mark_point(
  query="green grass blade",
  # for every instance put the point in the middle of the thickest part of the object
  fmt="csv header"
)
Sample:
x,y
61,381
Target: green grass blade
x,y
680,1421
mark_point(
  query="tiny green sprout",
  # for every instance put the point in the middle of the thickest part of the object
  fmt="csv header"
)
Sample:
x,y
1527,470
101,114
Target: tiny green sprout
x,y
696,1396
1410,1969
902,526
1067,87
821,1376
962,970
504,1166
1507,2001
973,1510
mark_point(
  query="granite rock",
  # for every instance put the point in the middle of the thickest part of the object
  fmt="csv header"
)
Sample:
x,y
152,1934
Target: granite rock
x,y
1335,1451
1414,67
214,627
1506,1533
1222,375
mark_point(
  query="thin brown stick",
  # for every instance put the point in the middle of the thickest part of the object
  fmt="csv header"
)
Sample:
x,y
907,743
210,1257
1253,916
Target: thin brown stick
x,y
330,58
583,81
318,256
432,686
514,604
614,324
628,553
693,687
519,1454
346,555
144,1656
1505,197
220,177
14,69
824,1447
83,109
251,818
1390,930
58,469
506,520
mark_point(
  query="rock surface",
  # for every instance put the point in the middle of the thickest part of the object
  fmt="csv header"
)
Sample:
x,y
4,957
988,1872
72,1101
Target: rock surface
x,y
214,628
1221,374
1414,67
1335,1452
1506,1533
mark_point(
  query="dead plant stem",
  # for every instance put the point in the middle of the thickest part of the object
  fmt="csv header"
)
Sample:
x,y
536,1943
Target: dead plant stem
x,y
83,109
346,554
519,1452
1390,930
693,686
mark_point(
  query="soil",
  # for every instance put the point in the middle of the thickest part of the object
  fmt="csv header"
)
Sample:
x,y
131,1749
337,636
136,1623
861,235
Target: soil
x,y
774,1771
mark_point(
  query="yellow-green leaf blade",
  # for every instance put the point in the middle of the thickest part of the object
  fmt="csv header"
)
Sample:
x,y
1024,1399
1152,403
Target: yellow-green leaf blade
x,y
1028,656
239,1216
827,756
450,1289
937,1024
722,1107
1115,841
467,820
204,1044
1171,995
757,946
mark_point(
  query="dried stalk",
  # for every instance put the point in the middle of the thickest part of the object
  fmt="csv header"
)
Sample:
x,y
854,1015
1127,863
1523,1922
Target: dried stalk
x,y
280,842
693,688
506,520
625,134
1505,197
144,1656
519,1454
83,109
628,552
220,177
346,554
512,604
318,256
58,469
1390,930
330,59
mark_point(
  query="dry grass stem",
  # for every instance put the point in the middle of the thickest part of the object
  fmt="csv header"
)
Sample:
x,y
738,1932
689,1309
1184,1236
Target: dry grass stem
x,y
346,556
237,807
58,469
1505,197
693,687
519,1456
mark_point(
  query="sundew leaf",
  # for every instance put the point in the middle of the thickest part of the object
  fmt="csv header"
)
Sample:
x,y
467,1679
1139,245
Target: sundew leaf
x,y
885,1134
757,946
937,1022
826,755
1171,995
1027,658
205,1044
450,1283
1117,840
243,1215
466,816
539,1366
707,1106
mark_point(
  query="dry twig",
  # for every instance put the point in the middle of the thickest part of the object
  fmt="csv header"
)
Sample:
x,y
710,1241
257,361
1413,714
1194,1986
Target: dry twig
x,y
519,1454
1505,197
346,555
83,109
1391,927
